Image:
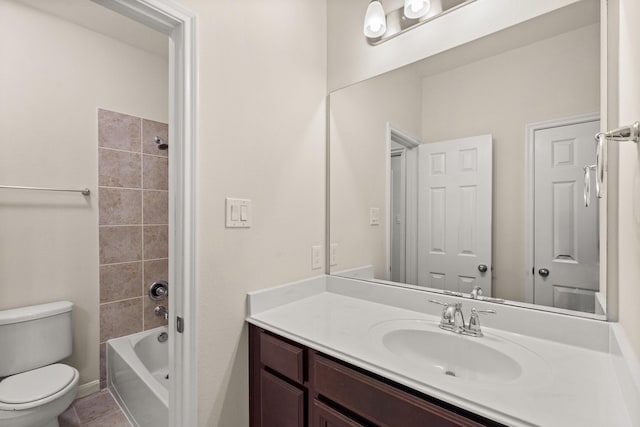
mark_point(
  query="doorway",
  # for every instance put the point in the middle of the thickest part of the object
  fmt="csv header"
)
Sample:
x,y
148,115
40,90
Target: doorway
x,y
402,175
564,218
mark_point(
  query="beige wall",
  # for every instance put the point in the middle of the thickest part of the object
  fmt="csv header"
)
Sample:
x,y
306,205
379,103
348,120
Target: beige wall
x,y
351,59
53,77
359,157
261,136
629,173
550,79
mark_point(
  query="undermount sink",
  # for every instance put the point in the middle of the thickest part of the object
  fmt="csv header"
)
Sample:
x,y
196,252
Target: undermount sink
x,y
489,359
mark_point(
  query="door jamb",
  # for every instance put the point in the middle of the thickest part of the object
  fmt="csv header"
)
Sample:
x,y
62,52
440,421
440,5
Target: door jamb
x,y
530,130
410,142
179,23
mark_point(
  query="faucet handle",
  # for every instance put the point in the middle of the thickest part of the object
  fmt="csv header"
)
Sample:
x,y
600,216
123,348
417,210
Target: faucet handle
x,y
476,292
452,318
474,322
474,310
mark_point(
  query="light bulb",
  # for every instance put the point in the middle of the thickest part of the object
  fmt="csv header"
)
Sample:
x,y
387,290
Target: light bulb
x,y
375,21
415,9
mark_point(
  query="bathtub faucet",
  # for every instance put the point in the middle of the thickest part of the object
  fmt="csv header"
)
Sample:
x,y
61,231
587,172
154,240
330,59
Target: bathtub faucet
x,y
161,310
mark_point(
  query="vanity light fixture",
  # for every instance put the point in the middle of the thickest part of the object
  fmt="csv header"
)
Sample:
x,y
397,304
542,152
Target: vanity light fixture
x,y
415,9
379,27
375,21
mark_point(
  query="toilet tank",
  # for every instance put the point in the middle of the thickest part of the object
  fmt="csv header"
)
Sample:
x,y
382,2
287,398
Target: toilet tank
x,y
34,336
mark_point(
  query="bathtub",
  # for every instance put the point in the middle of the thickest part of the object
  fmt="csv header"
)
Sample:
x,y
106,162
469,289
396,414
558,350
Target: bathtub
x,y
138,376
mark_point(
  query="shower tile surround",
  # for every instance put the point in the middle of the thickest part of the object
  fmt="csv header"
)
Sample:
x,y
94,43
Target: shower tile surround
x,y
133,224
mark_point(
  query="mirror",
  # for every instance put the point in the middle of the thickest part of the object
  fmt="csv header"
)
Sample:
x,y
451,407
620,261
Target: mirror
x,y
472,168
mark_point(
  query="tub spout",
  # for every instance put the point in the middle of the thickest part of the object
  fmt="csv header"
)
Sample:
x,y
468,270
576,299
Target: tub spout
x,y
161,310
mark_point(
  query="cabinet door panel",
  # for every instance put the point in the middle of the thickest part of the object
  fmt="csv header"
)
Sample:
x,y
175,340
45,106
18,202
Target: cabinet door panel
x,y
324,416
282,403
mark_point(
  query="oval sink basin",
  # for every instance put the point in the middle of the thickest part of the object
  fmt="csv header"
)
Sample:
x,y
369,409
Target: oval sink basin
x,y
422,347
455,355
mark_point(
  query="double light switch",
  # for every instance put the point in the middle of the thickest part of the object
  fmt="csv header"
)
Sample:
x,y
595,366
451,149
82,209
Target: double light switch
x,y
238,213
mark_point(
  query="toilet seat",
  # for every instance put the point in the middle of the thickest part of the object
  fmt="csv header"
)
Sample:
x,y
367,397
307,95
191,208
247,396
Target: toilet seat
x,y
36,387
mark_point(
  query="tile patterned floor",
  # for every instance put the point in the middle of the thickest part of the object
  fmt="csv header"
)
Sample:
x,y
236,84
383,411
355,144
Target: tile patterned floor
x,y
96,410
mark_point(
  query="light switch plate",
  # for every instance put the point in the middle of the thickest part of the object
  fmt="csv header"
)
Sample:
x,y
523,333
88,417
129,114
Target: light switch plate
x,y
238,213
316,257
374,216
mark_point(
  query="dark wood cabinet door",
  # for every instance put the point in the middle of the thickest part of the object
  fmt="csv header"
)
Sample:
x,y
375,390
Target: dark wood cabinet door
x,y
282,404
324,416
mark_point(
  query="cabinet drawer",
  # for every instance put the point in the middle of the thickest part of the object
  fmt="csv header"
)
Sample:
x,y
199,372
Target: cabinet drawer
x,y
324,416
283,357
282,403
379,402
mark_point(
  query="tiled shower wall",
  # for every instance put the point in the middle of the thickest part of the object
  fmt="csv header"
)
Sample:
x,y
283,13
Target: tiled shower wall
x,y
133,206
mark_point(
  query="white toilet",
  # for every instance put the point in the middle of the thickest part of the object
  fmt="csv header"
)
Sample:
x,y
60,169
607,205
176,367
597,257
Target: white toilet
x,y
35,389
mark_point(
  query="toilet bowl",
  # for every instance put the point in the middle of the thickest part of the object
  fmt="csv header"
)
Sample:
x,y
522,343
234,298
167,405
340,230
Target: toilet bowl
x,y
36,398
34,390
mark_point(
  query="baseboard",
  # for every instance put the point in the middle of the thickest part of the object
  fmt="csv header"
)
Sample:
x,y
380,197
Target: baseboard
x,y
88,388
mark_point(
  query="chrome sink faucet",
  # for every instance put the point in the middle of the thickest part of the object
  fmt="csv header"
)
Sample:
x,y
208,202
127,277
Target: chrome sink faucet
x,y
452,319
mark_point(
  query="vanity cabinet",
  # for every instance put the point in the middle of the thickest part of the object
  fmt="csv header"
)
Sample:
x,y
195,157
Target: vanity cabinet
x,y
292,385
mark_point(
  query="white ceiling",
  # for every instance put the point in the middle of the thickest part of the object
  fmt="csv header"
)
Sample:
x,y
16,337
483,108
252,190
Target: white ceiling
x,y
97,18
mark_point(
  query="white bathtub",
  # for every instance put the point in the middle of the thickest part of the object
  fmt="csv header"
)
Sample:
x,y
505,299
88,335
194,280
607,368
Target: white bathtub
x,y
137,376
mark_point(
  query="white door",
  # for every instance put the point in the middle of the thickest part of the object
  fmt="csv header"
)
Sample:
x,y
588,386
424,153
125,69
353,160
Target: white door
x,y
398,217
454,214
566,231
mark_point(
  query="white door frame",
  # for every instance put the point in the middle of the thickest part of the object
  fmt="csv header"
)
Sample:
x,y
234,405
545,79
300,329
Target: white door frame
x,y
402,153
410,142
179,24
529,199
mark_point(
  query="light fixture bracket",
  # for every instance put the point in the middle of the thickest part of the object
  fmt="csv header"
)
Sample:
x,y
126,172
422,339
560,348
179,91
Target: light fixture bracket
x,y
398,24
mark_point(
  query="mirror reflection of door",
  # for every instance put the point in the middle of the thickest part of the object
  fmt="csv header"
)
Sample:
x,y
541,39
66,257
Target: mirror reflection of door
x,y
398,215
454,214
566,231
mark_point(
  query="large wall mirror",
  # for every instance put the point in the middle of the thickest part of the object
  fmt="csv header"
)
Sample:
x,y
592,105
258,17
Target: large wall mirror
x,y
473,169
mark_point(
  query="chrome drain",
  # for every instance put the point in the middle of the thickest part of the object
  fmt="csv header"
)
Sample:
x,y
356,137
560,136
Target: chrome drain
x,y
450,373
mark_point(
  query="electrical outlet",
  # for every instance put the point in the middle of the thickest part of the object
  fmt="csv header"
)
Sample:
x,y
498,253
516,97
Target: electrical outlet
x,y
316,257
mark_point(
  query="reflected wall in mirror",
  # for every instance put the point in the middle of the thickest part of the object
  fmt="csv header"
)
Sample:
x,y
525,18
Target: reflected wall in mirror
x,y
467,169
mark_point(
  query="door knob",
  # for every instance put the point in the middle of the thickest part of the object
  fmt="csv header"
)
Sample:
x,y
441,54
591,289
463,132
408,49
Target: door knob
x,y
544,272
482,268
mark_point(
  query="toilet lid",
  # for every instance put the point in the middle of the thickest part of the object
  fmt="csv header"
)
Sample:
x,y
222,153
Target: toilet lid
x,y
35,385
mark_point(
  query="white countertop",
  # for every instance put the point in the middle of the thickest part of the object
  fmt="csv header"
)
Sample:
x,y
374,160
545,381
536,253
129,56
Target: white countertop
x,y
579,389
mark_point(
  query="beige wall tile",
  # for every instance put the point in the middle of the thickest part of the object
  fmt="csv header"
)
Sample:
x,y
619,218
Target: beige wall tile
x,y
120,206
156,207
103,366
153,271
119,169
120,244
150,319
156,172
120,281
155,242
150,130
117,130
120,318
